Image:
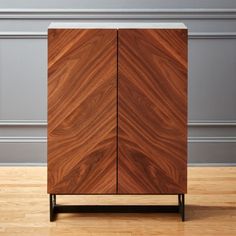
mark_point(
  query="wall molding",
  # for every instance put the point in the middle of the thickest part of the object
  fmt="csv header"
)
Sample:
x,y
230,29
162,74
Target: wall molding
x,y
208,123
212,35
91,14
190,123
23,164
211,139
43,124
25,139
43,35
23,123
219,164
44,164
23,35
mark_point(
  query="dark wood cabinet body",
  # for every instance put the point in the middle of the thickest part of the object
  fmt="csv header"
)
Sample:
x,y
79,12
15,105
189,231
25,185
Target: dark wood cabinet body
x,y
117,111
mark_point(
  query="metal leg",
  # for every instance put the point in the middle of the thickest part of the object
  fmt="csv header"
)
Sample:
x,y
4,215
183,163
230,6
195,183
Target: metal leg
x,y
52,203
181,202
183,207
54,199
55,208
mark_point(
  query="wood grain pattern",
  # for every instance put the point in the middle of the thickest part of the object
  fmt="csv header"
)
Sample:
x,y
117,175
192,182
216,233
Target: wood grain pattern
x,y
152,111
82,118
210,207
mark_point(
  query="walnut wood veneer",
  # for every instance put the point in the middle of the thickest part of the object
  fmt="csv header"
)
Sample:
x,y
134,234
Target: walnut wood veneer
x,y
152,111
117,110
82,111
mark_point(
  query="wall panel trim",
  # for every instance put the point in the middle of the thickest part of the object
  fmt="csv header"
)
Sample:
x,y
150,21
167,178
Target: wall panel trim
x,y
43,35
187,13
23,123
212,35
44,164
23,35
212,140
212,123
25,139
44,123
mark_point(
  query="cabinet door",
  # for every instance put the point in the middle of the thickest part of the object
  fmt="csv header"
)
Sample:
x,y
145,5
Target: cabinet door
x,y
152,111
82,111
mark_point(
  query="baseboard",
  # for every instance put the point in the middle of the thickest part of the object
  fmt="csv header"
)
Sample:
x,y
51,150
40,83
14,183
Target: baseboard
x,y
189,164
211,164
23,164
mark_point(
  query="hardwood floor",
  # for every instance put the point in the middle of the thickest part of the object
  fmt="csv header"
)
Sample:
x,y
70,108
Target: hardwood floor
x,y
210,207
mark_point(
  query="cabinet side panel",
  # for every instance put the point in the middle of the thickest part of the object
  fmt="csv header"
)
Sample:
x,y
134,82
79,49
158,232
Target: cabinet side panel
x,y
152,111
82,116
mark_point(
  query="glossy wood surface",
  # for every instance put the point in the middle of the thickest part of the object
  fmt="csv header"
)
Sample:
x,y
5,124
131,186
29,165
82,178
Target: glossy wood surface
x,y
152,111
82,117
210,208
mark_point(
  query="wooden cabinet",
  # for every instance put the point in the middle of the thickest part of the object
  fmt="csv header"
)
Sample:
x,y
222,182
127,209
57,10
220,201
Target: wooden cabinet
x,y
117,108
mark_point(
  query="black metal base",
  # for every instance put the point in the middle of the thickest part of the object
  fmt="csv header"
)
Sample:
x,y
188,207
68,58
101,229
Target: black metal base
x,y
55,208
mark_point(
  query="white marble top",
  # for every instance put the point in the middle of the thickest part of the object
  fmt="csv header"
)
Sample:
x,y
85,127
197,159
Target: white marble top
x,y
116,25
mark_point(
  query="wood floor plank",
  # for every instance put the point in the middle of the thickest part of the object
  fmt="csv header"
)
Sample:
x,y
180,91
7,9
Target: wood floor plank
x,y
210,207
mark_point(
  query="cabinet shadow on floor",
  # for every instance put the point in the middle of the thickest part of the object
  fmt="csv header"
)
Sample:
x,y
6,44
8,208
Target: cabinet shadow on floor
x,y
193,213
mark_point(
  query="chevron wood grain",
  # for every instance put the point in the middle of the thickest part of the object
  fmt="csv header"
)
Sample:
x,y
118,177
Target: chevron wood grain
x,y
152,111
82,118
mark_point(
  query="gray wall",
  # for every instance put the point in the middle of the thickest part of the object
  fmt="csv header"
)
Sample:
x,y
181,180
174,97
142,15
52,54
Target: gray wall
x,y
212,69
